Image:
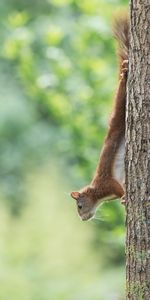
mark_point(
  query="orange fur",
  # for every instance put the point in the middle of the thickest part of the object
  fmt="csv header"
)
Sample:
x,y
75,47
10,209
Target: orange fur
x,y
104,185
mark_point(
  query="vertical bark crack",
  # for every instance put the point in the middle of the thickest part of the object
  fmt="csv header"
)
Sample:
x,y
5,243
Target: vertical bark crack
x,y
137,161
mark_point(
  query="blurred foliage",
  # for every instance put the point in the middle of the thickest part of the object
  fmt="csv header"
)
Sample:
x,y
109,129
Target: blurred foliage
x,y
57,78
46,253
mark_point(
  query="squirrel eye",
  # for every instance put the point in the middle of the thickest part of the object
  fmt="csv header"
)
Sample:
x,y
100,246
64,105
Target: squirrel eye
x,y
79,206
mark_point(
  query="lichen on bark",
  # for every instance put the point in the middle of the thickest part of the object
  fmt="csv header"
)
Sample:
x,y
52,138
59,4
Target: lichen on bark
x,y
137,159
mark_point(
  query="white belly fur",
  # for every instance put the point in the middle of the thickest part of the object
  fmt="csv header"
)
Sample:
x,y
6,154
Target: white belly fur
x,y
118,167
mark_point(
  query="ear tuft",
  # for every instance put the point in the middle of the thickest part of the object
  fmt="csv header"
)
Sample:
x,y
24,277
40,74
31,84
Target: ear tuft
x,y
75,195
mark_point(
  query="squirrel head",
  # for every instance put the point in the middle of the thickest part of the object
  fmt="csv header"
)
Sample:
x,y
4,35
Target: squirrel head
x,y
86,202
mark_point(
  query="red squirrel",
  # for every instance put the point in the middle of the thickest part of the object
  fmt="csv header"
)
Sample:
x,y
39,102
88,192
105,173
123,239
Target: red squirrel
x,y
108,181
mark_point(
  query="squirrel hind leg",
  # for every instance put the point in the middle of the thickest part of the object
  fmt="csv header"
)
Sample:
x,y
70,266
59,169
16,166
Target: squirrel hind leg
x,y
124,69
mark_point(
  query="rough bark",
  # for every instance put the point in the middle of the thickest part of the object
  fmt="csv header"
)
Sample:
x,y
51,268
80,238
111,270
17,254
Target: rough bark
x,y
137,160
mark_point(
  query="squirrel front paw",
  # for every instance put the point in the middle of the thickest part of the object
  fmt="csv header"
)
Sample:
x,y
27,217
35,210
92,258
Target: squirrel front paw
x,y
123,200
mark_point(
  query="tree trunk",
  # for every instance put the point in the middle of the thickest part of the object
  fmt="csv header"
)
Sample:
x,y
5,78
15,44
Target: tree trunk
x,y
137,162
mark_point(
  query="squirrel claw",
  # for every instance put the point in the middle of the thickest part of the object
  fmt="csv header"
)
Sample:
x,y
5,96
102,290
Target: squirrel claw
x,y
123,200
124,70
125,63
124,67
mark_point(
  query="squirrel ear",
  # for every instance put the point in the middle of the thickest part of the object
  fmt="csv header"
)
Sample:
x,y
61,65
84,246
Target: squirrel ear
x,y
75,195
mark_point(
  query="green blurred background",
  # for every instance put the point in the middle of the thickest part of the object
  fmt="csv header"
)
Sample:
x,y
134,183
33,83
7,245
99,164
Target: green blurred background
x,y
58,77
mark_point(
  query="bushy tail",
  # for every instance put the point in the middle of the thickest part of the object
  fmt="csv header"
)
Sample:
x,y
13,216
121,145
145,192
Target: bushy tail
x,y
121,33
